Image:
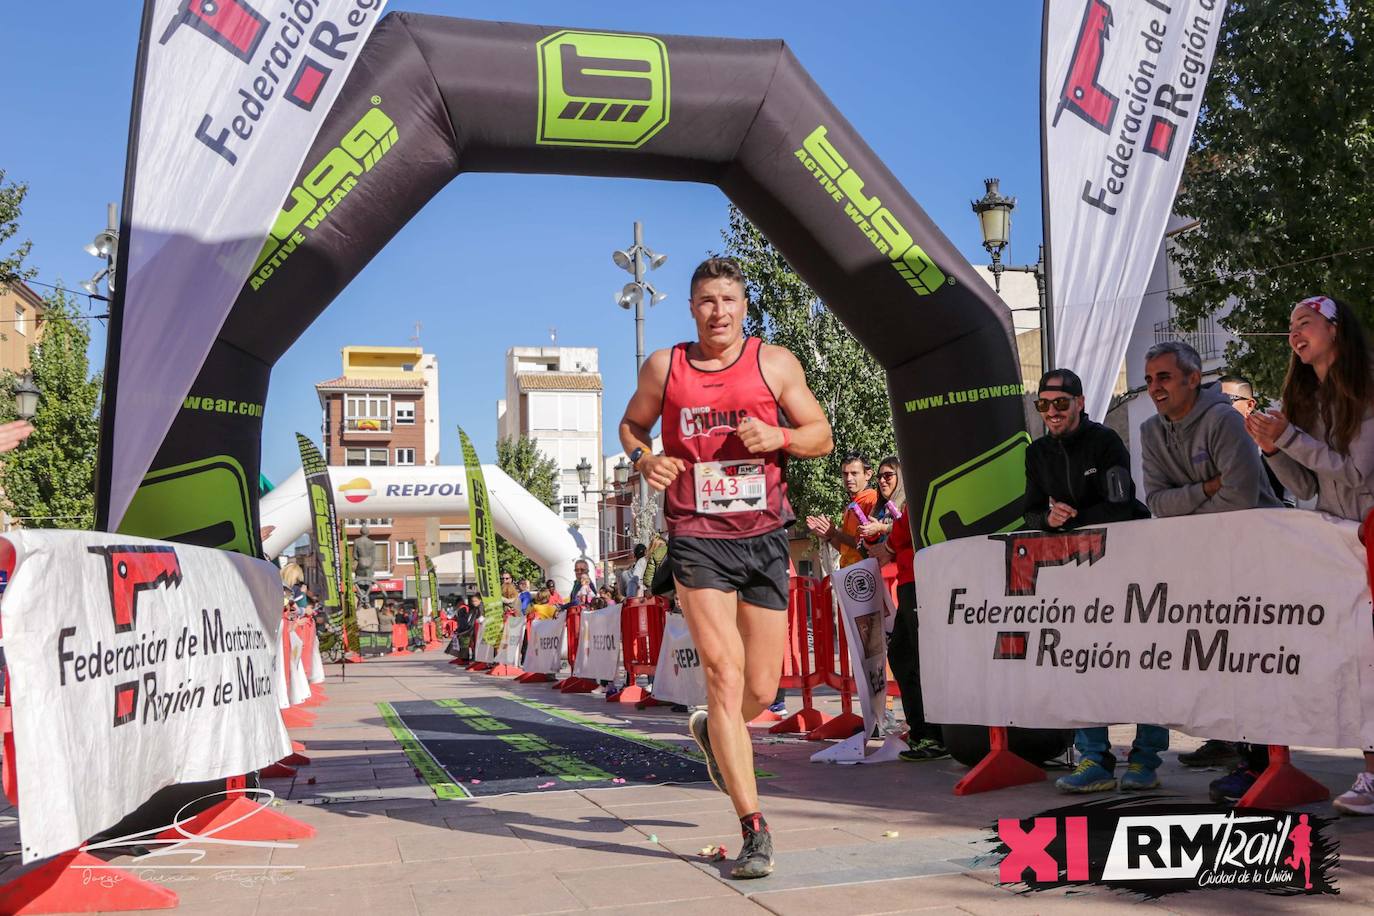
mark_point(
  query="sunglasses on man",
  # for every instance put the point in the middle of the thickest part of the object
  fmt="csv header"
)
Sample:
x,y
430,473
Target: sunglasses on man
x,y
1043,404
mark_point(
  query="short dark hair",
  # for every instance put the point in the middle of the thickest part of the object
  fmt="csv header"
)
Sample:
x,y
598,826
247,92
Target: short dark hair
x,y
717,268
640,550
1187,358
851,457
1238,380
1065,380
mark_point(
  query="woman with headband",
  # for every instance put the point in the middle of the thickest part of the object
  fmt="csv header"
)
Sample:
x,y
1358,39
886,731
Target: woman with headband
x,y
1322,443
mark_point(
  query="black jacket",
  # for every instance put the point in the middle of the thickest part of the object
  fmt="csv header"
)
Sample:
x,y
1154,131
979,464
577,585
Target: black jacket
x,y
1074,470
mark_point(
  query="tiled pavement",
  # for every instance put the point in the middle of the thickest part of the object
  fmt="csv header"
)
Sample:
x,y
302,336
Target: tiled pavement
x,y
853,840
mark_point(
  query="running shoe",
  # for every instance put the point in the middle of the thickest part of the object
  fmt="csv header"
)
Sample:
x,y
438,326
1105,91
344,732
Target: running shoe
x,y
696,725
756,855
778,709
1230,788
923,750
1090,776
1212,753
1360,798
1139,777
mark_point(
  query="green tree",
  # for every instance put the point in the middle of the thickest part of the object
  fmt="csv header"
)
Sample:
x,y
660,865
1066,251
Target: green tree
x,y
849,384
50,479
11,203
521,459
1281,174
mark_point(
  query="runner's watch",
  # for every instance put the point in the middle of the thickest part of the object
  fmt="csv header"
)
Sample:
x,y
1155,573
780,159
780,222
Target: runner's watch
x,y
637,454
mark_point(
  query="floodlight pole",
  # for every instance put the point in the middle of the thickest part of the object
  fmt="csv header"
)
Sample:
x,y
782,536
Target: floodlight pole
x,y
639,334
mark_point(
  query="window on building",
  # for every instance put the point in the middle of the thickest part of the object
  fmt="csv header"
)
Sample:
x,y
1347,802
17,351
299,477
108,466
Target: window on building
x,y
367,412
570,507
20,320
405,456
405,551
369,522
365,457
405,413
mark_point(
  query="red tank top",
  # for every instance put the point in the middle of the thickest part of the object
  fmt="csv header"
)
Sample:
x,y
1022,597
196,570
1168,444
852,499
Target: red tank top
x,y
701,409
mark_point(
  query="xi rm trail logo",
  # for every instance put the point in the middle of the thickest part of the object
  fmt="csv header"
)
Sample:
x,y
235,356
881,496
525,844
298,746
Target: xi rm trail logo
x,y
1154,847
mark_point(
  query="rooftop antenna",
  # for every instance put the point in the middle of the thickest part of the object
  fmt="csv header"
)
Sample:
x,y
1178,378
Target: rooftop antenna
x,y
416,338
553,336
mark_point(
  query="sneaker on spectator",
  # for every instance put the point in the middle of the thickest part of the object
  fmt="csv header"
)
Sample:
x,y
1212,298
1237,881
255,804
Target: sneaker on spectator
x,y
1139,777
778,708
923,750
1360,798
1230,788
1088,776
613,691
1212,753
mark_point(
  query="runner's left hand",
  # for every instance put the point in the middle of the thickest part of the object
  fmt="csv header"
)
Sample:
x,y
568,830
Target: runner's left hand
x,y
759,437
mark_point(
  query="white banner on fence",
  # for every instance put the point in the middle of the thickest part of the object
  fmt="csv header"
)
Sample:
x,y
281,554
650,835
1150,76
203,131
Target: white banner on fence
x,y
545,652
864,603
316,662
598,645
1247,626
511,640
485,651
134,665
678,676
1123,85
300,684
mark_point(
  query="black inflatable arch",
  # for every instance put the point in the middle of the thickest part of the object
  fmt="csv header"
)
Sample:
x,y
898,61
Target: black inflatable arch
x,y
433,97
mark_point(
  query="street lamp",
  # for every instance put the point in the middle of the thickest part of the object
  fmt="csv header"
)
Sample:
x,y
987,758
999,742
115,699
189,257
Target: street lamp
x,y
994,218
26,397
621,476
634,260
104,245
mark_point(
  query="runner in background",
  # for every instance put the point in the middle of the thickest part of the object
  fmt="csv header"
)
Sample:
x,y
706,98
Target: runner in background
x,y
732,410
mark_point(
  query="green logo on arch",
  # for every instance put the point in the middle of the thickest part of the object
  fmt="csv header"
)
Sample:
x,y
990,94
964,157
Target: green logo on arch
x,y
207,503
981,496
601,89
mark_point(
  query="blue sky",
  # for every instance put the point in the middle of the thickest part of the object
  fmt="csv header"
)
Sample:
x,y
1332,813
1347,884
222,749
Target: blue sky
x,y
945,96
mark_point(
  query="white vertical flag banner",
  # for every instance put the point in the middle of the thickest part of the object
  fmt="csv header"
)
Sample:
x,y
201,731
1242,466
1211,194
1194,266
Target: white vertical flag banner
x,y
1123,83
229,97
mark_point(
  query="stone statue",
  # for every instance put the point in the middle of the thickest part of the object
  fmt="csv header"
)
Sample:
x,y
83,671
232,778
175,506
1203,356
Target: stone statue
x,y
364,559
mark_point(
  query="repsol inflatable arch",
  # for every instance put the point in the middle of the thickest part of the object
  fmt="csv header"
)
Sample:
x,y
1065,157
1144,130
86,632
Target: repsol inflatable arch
x,y
428,490
432,97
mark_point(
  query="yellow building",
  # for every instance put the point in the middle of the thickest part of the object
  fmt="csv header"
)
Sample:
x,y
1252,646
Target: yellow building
x,y
21,324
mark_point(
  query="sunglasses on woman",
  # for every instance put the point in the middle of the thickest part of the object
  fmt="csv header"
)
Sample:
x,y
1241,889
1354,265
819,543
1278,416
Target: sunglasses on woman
x,y
887,475
1043,404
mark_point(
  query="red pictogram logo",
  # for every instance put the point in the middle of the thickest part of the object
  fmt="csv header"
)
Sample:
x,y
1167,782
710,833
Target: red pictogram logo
x,y
1028,551
232,24
132,569
1082,94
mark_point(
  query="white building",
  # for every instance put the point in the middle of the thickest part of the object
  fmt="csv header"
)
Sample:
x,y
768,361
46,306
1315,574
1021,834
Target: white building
x,y
553,396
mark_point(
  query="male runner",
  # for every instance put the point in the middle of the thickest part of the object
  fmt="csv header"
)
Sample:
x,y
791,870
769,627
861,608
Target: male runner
x,y
732,408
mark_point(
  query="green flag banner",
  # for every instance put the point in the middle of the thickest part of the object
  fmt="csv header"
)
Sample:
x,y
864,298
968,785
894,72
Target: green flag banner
x,y
483,544
324,528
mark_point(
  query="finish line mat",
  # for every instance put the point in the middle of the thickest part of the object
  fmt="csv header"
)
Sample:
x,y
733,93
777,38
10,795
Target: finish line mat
x,y
497,745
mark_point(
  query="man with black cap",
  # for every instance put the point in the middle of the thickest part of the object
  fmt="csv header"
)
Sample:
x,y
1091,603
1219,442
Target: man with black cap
x,y
1078,474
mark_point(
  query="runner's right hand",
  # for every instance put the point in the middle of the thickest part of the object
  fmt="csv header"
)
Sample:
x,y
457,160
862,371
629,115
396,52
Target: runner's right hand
x,y
661,470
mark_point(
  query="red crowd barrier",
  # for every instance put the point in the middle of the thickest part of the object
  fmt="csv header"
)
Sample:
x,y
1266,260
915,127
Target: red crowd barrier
x,y
400,639
641,638
573,683
824,663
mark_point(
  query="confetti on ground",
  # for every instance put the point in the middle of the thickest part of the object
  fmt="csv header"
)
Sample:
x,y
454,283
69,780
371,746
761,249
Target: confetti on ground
x,y
618,781
890,834
653,838
547,785
714,853
476,782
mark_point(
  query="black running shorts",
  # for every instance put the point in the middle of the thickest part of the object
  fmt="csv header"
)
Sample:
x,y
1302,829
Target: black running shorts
x,y
756,567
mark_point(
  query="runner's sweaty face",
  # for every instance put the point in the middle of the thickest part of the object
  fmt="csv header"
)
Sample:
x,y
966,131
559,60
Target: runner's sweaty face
x,y
718,307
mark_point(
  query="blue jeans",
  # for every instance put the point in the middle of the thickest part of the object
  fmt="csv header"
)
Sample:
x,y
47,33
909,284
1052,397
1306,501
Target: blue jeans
x,y
1093,745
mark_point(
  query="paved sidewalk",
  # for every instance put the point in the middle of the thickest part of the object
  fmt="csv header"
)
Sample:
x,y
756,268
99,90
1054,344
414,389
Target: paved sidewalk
x,y
850,840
